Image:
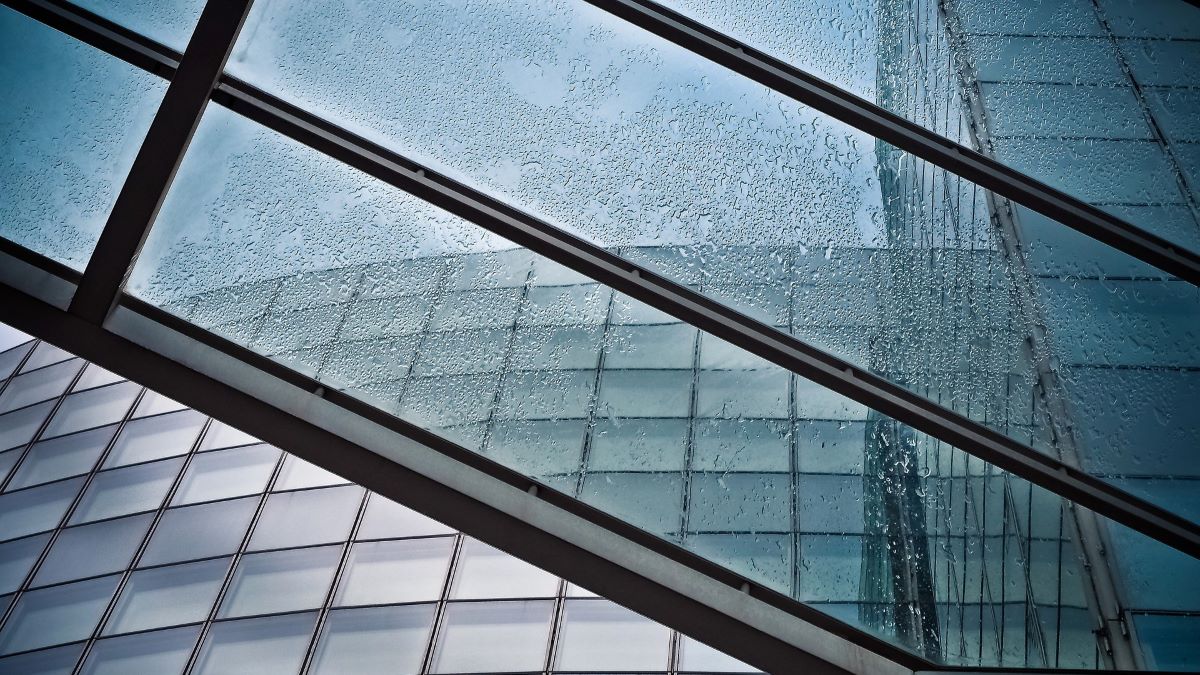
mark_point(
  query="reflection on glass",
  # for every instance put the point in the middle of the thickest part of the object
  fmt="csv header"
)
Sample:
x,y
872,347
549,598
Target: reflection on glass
x,y
43,355
92,408
94,376
167,596
18,427
486,572
591,627
227,473
268,646
17,558
374,640
374,568
57,614
126,490
306,517
497,636
199,531
90,550
37,386
58,661
64,456
155,652
155,438
280,581
36,509
65,161
385,519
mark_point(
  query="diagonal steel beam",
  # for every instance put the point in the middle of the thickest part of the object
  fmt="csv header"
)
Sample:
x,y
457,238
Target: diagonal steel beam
x,y
906,135
158,158
781,348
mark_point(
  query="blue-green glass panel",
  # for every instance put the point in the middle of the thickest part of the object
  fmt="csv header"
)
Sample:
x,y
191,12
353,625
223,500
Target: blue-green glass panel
x,y
72,124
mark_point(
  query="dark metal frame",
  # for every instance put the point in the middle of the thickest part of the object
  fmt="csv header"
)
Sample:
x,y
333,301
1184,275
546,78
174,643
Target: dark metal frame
x,y
197,78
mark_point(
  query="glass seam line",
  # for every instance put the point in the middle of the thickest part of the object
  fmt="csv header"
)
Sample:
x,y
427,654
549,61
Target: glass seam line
x,y
159,156
803,359
909,136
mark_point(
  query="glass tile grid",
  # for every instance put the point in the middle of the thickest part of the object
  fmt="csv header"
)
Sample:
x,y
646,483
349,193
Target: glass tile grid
x,y
340,619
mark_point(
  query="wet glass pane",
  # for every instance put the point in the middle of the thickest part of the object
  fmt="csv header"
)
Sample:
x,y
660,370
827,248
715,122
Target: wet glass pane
x,y
410,570
227,473
200,531
17,558
38,385
280,581
167,21
64,456
65,161
91,550
92,408
57,614
127,490
167,596
157,652
590,629
36,509
486,572
155,438
306,517
923,287
1170,640
493,636
268,646
374,640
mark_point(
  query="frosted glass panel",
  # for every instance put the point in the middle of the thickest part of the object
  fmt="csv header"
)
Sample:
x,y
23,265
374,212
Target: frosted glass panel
x,y
227,473
486,572
306,517
127,490
155,438
92,408
64,456
591,627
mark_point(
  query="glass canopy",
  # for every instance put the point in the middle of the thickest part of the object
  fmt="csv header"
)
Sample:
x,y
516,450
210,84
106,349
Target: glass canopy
x,y
649,151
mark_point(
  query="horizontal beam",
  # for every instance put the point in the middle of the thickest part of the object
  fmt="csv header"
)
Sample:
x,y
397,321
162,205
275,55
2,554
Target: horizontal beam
x,y
447,482
697,309
906,135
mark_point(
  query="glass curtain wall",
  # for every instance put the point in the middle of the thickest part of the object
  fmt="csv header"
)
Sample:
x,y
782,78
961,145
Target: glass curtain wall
x,y
138,536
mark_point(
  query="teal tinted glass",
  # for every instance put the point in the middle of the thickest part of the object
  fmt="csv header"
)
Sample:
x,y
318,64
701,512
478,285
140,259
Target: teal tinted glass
x,y
69,131
1062,87
565,380
795,218
167,21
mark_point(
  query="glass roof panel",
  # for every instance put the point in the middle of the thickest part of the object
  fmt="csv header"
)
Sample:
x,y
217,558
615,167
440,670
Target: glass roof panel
x,y
452,328
1088,357
69,132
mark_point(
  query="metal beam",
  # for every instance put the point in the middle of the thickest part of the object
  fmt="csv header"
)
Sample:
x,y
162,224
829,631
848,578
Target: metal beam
x,y
686,304
159,157
451,484
906,135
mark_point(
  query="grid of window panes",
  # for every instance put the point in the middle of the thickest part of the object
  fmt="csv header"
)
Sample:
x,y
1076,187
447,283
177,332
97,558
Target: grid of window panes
x,y
137,535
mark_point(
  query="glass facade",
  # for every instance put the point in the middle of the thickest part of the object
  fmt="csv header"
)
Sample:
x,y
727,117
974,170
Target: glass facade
x,y
220,554
223,553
